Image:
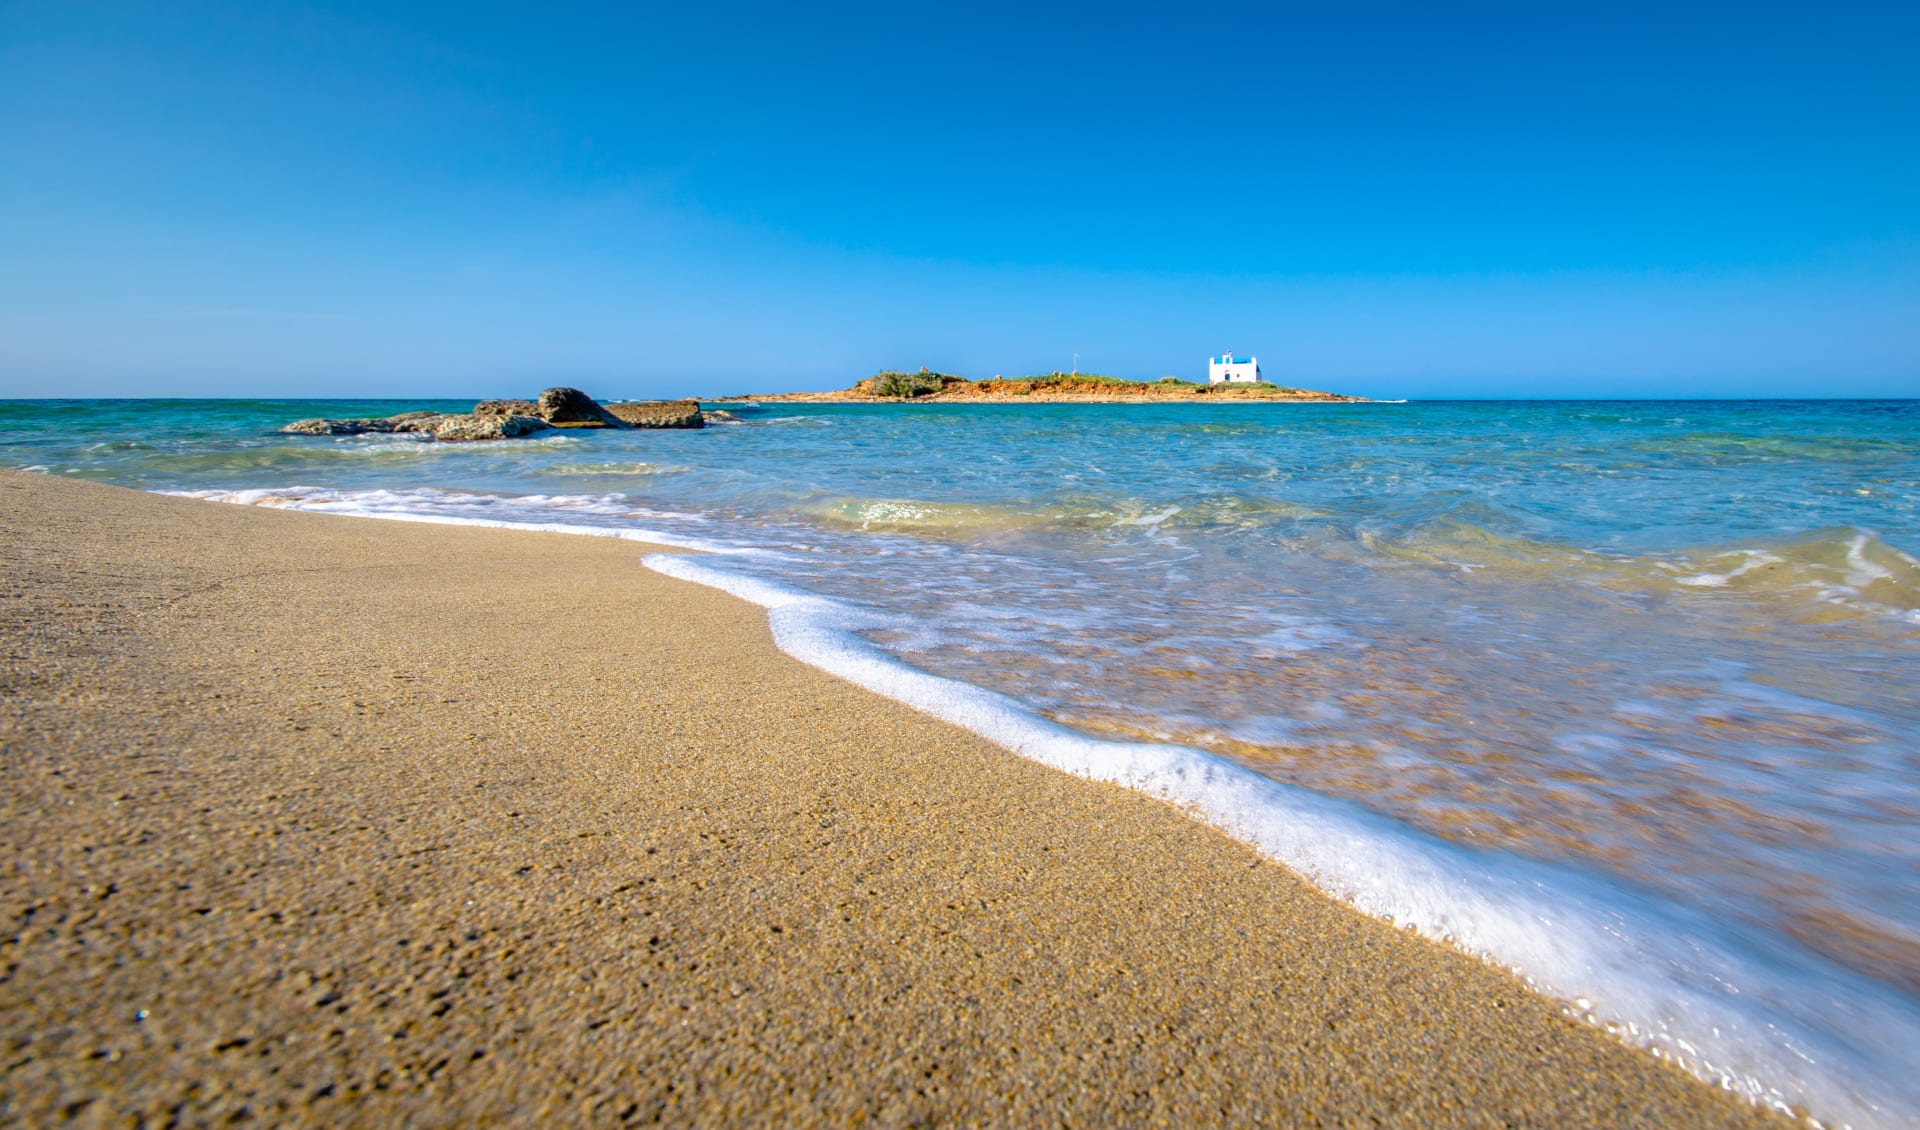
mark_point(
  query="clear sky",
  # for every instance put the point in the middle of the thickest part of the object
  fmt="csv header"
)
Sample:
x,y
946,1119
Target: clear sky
x,y
1547,198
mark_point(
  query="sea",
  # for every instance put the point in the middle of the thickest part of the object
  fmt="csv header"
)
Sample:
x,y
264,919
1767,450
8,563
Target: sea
x,y
1622,695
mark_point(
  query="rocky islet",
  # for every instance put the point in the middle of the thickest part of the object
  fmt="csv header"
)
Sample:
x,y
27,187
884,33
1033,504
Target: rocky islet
x,y
509,419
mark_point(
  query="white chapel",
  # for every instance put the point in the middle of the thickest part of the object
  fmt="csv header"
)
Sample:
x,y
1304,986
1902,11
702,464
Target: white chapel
x,y
1227,367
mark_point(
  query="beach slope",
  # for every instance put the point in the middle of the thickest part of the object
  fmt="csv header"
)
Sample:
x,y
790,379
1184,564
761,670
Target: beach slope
x,y
330,820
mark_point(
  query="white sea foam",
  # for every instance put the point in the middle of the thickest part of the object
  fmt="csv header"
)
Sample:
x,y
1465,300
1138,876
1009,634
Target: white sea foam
x,y
1154,519
1758,1015
450,508
1754,560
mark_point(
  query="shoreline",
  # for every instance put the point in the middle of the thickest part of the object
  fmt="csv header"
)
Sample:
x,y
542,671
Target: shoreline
x,y
389,764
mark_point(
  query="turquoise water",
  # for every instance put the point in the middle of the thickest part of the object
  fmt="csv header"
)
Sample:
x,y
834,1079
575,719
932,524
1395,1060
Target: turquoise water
x,y
1670,647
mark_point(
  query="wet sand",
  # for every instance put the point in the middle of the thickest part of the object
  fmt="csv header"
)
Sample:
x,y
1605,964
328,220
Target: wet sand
x,y
331,820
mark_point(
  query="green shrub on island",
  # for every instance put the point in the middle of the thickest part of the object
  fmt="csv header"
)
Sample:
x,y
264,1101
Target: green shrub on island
x,y
1096,383
906,386
1057,379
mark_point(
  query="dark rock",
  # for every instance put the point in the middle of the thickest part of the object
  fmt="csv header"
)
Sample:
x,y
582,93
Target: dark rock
x,y
506,408
659,414
569,407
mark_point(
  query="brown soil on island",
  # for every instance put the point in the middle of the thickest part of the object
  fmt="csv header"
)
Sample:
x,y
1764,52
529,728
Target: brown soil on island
x,y
321,820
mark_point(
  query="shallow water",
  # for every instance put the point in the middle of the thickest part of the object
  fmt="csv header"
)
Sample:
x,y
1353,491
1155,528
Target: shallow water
x,y
1668,646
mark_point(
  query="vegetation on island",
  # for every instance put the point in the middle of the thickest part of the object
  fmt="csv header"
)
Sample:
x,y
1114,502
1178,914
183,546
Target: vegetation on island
x,y
928,385
896,385
906,386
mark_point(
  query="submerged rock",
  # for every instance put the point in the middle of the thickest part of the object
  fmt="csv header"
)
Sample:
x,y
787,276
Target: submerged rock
x,y
659,414
720,416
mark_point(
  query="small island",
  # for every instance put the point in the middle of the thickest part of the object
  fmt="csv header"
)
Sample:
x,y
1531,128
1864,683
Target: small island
x,y
1078,388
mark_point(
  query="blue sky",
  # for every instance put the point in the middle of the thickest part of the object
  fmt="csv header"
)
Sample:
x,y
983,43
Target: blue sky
x,y
1539,199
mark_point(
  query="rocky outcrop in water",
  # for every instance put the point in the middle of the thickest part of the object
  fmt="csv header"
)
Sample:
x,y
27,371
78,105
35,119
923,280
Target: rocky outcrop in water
x,y
506,408
659,414
557,407
506,419
571,408
433,425
484,427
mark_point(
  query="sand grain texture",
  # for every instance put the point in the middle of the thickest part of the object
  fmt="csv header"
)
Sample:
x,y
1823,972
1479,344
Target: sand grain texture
x,y
323,820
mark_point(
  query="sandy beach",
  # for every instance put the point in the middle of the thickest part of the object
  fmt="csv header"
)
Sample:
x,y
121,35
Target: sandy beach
x,y
323,820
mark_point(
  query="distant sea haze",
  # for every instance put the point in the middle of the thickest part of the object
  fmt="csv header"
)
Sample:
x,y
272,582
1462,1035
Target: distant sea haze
x,y
1641,671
